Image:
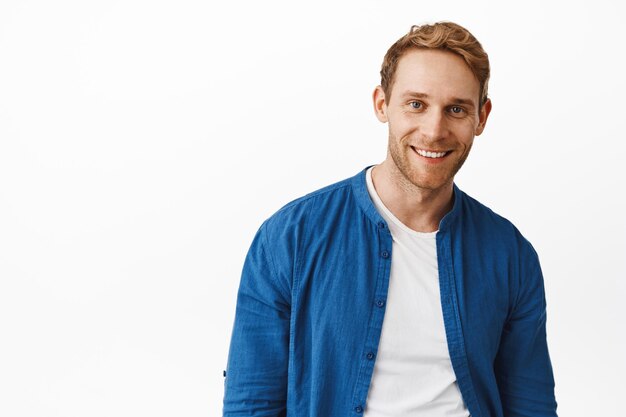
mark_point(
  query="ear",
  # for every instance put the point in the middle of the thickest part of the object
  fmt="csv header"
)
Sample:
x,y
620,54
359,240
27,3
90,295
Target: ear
x,y
380,105
483,114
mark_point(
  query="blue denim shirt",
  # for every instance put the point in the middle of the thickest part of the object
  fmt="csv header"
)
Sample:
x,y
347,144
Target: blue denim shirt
x,y
312,299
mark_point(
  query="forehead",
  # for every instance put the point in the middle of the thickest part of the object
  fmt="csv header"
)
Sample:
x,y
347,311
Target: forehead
x,y
436,73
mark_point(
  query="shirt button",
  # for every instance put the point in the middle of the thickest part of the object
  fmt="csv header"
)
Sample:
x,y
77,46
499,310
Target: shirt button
x,y
380,303
384,254
370,356
358,409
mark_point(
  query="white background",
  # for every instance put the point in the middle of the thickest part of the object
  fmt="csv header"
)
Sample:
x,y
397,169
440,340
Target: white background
x,y
143,142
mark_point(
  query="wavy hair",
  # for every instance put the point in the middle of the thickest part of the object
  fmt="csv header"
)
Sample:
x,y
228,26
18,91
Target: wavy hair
x,y
446,36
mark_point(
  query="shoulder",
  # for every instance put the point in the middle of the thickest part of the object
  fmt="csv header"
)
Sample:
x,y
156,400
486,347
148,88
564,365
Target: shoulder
x,y
297,216
329,193
481,215
491,228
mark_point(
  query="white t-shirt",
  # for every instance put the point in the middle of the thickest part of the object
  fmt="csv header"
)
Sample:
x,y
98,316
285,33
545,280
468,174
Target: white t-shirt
x,y
413,374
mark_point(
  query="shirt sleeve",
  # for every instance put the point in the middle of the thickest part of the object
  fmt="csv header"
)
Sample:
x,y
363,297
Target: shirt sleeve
x,y
256,375
522,366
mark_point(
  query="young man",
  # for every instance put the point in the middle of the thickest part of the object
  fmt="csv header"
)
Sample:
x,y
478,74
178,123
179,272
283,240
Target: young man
x,y
393,293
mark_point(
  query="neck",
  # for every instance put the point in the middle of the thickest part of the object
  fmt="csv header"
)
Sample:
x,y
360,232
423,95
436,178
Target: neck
x,y
418,208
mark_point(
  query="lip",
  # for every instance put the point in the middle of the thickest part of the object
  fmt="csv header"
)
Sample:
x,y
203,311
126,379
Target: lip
x,y
431,160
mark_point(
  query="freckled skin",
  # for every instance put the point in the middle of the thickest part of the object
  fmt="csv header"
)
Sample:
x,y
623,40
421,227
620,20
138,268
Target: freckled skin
x,y
423,112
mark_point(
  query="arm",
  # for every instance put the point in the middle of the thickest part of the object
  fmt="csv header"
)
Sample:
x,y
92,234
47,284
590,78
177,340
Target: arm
x,y
523,368
256,376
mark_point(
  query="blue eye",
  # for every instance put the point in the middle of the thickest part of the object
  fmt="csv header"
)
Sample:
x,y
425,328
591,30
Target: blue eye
x,y
415,104
457,109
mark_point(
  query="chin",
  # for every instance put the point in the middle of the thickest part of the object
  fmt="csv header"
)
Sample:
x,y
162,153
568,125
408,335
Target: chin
x,y
432,185
424,183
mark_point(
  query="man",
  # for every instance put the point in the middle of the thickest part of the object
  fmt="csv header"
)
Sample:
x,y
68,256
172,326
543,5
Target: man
x,y
393,293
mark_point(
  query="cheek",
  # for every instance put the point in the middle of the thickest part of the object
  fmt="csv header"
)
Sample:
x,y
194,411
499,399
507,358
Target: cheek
x,y
401,126
465,131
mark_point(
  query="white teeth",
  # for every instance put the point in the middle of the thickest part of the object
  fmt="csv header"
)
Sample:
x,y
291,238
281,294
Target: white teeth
x,y
429,154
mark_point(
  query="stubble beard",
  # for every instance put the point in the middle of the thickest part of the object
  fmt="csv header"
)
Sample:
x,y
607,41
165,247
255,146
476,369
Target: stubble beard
x,y
410,178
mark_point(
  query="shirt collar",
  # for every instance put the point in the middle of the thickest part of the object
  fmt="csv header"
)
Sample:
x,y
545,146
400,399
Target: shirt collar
x,y
359,187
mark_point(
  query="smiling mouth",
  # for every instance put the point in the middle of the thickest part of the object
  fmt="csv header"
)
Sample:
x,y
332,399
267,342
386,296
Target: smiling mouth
x,y
429,154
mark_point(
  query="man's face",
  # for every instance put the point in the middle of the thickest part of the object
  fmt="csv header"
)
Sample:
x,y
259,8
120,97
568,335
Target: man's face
x,y
433,116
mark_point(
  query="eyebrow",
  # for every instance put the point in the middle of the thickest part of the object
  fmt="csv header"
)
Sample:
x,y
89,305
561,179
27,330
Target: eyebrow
x,y
455,100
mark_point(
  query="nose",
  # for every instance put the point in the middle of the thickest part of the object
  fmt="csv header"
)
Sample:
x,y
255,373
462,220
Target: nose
x,y
433,126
